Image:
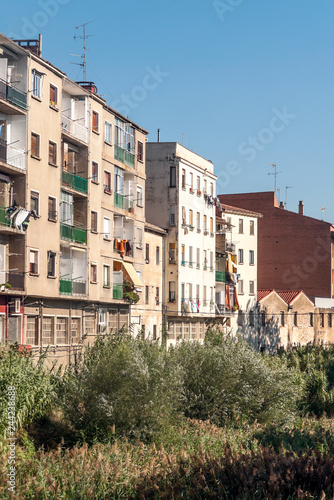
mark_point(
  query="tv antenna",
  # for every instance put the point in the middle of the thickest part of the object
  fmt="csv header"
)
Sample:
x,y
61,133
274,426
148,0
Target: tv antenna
x,y
275,174
84,48
322,209
286,194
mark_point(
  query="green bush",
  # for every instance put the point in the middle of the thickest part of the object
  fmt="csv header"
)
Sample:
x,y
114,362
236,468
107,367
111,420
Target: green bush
x,y
225,380
125,386
34,388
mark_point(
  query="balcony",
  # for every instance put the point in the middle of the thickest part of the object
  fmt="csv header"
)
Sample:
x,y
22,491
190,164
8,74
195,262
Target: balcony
x,y
73,233
220,276
124,156
72,287
12,156
13,96
117,292
74,181
6,221
15,280
74,128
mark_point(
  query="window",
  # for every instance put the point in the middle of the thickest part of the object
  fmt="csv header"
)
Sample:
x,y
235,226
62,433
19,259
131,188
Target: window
x,y
211,226
157,256
61,331
51,264
95,124
310,319
66,208
107,132
251,227
241,226
172,176
211,261
107,182
139,239
251,318
93,221
191,219
52,153
240,256
53,96
251,257
211,189
147,253
35,145
52,209
198,185
171,291
33,261
205,224
282,319
95,172
172,255
106,228
140,151
190,287
183,291
157,295
191,182
190,256
47,330
32,330
147,294
124,136
198,222
172,215
251,288
197,292
183,255
205,259
183,179
184,216
93,272
154,332
106,276
240,318
139,196
34,201
198,258
329,318
205,186
204,296
75,330
36,84
241,287
322,320
295,319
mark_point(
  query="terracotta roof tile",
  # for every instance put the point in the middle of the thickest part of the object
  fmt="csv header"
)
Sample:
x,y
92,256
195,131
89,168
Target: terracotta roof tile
x,y
262,293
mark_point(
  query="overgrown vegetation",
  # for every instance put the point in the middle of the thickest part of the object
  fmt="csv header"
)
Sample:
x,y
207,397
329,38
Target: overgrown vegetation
x,y
133,420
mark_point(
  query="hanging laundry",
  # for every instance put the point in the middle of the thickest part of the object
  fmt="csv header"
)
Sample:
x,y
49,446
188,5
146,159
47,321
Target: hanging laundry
x,y
197,306
227,297
116,244
128,248
121,247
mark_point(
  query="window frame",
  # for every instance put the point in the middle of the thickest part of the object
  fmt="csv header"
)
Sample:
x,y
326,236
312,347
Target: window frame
x,y
93,265
54,103
140,151
35,272
95,175
52,214
106,267
240,256
107,135
36,90
107,235
52,254
94,228
95,122
139,197
35,152
107,186
53,162
251,257
172,176
37,197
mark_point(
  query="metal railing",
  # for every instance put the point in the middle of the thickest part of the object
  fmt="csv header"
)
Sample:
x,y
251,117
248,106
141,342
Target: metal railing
x,y
220,276
117,292
15,280
12,156
124,156
73,233
72,287
74,128
74,181
13,95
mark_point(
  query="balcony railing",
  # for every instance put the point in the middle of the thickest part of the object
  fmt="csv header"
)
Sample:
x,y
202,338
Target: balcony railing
x,y
12,156
118,292
73,233
74,128
13,95
15,280
72,287
118,200
220,276
124,156
123,201
74,181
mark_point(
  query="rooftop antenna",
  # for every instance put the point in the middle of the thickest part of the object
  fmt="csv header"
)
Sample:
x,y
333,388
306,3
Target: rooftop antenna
x,y
275,174
322,209
84,49
286,194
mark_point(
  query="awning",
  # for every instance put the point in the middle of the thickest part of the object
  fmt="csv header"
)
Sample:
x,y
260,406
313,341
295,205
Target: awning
x,y
133,275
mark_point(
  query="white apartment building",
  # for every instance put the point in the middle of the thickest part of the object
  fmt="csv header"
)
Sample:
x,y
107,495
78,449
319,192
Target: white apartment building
x,y
181,198
241,279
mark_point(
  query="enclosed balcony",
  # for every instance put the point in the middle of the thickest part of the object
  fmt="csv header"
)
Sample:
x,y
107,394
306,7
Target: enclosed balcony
x,y
124,156
74,116
73,279
74,181
73,218
72,233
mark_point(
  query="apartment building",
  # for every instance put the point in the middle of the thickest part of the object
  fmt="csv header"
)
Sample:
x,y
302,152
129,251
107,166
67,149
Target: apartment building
x,y
295,251
181,198
72,173
239,229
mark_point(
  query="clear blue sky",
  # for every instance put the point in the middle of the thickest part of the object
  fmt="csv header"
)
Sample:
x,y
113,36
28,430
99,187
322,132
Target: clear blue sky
x,y
228,70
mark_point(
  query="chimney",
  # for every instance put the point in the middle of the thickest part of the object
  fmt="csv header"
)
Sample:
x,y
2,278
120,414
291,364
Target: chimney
x,y
34,46
158,135
301,208
282,205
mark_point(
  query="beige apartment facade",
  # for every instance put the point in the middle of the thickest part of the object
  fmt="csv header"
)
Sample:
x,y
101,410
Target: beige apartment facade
x,y
79,173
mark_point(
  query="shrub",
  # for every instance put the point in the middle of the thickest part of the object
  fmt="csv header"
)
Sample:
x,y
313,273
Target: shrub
x,y
34,387
124,386
226,379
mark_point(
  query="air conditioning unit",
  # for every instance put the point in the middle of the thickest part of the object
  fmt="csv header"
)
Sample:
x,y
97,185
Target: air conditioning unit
x,y
15,306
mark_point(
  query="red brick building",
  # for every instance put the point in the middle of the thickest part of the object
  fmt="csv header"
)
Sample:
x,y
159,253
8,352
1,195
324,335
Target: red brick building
x,y
294,251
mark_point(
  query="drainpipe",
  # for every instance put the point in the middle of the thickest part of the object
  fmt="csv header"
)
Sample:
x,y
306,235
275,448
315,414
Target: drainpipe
x,y
163,295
